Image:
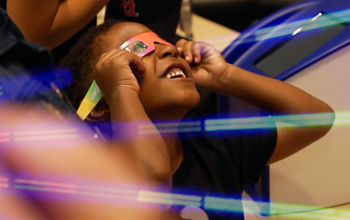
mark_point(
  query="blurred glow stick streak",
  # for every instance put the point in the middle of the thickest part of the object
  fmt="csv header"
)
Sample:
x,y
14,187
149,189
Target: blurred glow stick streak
x,y
4,182
302,120
4,137
45,188
289,28
342,118
163,128
208,202
286,29
45,183
343,15
2,178
36,135
18,133
121,195
168,198
322,23
141,196
302,212
292,211
45,137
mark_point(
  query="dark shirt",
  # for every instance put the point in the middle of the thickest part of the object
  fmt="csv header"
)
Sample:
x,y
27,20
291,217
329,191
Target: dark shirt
x,y
27,72
219,165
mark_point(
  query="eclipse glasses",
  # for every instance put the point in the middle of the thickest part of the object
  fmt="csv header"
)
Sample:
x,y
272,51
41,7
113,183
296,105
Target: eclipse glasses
x,y
141,45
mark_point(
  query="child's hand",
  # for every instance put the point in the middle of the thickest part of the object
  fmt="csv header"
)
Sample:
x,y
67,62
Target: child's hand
x,y
206,62
115,70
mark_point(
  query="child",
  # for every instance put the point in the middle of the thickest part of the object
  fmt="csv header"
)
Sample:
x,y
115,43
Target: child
x,y
158,83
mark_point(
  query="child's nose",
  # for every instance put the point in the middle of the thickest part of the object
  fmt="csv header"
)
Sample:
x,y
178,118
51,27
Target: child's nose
x,y
164,50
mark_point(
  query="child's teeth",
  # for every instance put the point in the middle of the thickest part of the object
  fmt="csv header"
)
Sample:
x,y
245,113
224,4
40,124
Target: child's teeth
x,y
176,73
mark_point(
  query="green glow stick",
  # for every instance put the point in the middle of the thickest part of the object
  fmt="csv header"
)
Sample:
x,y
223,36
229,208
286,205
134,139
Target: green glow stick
x,y
92,97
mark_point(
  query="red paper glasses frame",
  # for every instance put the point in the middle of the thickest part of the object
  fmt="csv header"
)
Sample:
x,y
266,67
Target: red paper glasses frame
x,y
140,45
143,44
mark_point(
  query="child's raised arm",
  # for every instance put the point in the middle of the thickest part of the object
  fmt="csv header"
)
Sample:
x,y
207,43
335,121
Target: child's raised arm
x,y
211,72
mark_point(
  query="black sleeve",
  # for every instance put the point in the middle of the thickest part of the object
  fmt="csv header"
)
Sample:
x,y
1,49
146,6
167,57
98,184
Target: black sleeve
x,y
3,4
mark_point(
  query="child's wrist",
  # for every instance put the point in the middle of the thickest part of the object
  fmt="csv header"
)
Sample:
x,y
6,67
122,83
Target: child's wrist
x,y
122,93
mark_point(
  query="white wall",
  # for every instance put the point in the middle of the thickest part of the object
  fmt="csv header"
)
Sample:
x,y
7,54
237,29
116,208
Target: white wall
x,y
320,174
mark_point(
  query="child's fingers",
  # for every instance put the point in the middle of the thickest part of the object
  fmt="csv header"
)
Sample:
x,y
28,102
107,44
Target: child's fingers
x,y
180,45
191,51
197,52
116,57
105,56
187,51
136,63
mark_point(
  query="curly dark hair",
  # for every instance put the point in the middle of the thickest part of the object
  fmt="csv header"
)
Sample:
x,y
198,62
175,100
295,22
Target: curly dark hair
x,y
81,61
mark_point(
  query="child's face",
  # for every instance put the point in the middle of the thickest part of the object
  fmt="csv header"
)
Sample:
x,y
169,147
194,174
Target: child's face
x,y
161,97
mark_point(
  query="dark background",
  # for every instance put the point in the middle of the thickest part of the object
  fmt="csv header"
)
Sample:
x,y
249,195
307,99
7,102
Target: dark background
x,y
237,14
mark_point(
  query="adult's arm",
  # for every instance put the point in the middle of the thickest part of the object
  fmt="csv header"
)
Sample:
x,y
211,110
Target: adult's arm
x,y
51,22
51,169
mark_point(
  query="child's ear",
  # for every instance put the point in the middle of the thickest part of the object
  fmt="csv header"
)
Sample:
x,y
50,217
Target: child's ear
x,y
99,113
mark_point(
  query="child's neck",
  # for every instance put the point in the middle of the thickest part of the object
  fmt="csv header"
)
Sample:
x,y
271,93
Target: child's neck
x,y
174,145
